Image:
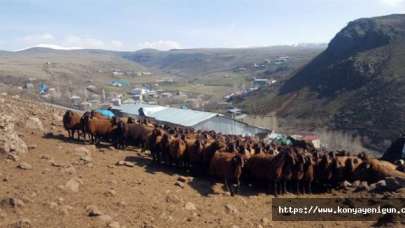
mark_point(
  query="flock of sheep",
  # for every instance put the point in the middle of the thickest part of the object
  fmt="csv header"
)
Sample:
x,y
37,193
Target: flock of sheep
x,y
295,168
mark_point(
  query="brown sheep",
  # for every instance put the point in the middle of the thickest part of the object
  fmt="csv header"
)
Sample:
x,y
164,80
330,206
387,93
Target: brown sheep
x,y
374,170
134,134
229,167
195,150
155,144
71,122
309,173
324,169
284,168
177,150
100,128
299,171
269,168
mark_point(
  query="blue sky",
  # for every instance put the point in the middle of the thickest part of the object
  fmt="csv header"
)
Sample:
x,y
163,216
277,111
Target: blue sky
x,y
166,24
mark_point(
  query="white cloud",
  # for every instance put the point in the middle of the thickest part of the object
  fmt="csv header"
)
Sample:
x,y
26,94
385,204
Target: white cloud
x,y
117,43
36,38
55,46
393,2
160,45
69,42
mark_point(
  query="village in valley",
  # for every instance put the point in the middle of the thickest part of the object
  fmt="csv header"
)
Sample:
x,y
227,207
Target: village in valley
x,y
225,114
126,96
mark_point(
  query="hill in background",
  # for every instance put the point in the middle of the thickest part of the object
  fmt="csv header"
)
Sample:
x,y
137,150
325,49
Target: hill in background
x,y
194,63
356,85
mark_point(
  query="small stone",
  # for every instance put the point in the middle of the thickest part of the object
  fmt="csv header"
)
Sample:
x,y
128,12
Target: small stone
x,y
265,221
190,206
82,151
13,157
110,193
104,218
12,202
32,147
171,198
179,184
122,204
86,158
93,211
34,123
182,179
23,223
24,166
231,209
65,209
53,205
113,224
56,164
73,185
125,163
45,157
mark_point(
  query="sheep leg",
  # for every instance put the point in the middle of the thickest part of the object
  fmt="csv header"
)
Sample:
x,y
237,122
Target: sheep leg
x,y
237,185
275,188
229,187
297,187
309,187
284,190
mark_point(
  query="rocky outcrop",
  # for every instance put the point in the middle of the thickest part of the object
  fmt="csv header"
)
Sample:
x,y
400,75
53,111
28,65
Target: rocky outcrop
x,y
10,142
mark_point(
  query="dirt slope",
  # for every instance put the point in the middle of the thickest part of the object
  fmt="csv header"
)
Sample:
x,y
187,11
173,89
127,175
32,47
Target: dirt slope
x,y
60,181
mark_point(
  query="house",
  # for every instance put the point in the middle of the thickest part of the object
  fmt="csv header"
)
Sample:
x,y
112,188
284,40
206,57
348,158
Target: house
x,y
260,82
207,121
137,93
116,84
234,111
85,106
117,73
119,83
116,101
314,139
75,100
29,85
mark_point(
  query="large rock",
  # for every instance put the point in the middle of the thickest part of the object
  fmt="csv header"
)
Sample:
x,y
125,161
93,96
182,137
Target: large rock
x,y
10,142
34,123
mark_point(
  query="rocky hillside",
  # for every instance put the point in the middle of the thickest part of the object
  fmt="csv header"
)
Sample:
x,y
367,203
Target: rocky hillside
x,y
47,180
355,85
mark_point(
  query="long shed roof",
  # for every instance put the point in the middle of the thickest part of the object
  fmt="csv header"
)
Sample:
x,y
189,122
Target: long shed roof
x,y
184,117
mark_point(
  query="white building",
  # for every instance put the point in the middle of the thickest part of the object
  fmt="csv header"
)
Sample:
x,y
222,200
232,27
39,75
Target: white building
x,y
199,120
137,93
